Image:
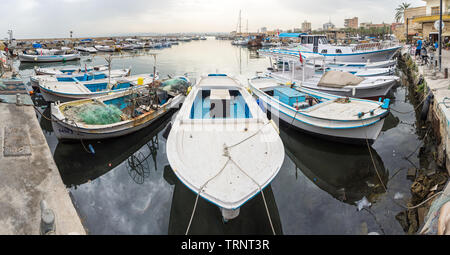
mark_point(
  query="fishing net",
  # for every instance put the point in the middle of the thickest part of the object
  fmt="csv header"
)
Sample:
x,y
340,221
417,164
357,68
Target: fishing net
x,y
99,115
94,114
175,85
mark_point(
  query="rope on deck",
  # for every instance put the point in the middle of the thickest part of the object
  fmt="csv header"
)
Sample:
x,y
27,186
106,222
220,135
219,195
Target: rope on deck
x,y
227,154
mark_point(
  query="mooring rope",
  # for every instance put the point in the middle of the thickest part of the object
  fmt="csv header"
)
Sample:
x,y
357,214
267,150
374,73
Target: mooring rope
x,y
200,190
385,188
57,121
262,193
227,154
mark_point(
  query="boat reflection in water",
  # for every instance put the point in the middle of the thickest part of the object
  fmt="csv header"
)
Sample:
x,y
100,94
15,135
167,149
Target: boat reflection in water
x,y
344,171
253,219
109,154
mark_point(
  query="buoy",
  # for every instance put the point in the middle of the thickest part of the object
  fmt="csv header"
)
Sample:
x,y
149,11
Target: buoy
x,y
140,81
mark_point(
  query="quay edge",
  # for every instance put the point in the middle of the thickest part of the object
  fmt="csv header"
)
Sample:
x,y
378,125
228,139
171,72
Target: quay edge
x,y
29,175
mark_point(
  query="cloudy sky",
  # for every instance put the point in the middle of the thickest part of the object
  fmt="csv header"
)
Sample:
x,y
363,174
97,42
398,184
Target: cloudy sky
x,y
55,18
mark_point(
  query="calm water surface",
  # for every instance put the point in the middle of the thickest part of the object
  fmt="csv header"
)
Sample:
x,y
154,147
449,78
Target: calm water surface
x,y
128,187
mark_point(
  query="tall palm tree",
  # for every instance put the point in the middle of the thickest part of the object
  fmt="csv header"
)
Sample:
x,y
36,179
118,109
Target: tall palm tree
x,y
399,15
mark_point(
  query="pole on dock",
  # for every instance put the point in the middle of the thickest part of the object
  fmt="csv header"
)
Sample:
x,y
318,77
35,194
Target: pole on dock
x,y
440,36
407,21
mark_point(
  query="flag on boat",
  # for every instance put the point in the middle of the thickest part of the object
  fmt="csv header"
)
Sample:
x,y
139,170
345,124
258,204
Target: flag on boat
x,y
300,56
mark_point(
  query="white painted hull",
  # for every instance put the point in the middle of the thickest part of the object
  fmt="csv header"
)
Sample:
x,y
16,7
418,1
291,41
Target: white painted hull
x,y
195,150
372,56
48,58
354,131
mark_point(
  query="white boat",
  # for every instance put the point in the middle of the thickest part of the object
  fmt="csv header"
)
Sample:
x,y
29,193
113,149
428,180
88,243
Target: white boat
x,y
343,119
310,57
240,41
127,112
48,58
96,73
222,146
335,82
86,49
127,47
104,48
67,70
53,91
360,53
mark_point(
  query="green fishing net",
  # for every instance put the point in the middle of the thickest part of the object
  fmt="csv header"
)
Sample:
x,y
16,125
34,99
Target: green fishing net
x,y
94,114
174,85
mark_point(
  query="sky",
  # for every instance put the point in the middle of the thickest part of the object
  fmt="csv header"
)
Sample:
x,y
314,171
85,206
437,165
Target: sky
x,y
55,18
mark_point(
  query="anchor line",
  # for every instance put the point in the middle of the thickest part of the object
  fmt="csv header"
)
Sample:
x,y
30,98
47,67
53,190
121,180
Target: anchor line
x,y
57,121
227,154
415,108
200,191
262,193
384,186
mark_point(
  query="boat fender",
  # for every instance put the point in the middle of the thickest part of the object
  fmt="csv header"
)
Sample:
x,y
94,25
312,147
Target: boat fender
x,y
426,106
386,102
91,148
372,112
167,131
188,90
360,114
275,126
249,91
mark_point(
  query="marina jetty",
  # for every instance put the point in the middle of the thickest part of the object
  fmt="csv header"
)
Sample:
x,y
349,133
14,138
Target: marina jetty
x,y
34,199
430,190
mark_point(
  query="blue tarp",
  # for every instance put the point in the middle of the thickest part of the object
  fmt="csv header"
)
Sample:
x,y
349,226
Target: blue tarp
x,y
37,45
86,40
291,34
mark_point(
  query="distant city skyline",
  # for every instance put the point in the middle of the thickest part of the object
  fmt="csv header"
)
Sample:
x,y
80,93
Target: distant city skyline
x,y
56,18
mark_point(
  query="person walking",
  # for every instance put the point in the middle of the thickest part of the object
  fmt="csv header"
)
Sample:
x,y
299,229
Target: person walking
x,y
418,48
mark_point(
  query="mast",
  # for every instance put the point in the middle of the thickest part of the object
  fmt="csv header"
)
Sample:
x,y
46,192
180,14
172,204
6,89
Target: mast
x,y
240,23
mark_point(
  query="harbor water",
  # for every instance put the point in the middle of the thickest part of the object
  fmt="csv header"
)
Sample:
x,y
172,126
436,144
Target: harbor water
x,y
128,187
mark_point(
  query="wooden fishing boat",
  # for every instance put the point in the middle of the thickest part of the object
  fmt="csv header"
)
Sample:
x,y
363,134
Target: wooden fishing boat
x,y
115,114
70,74
53,91
343,119
48,58
222,146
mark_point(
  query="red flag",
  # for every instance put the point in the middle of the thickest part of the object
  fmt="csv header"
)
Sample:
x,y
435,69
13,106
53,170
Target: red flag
x,y
85,68
301,59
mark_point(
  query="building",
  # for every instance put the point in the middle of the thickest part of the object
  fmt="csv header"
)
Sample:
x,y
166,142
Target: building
x,y
398,29
263,29
334,35
411,27
328,26
306,27
351,23
426,21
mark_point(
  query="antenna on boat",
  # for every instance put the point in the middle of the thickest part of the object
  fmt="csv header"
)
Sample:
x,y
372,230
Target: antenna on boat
x,y
109,60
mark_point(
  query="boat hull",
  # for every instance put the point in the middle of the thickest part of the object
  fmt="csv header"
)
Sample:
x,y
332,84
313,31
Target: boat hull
x,y
373,56
381,90
355,132
64,131
48,58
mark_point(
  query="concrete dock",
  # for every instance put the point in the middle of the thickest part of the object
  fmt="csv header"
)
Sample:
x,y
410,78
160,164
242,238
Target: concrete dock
x,y
28,174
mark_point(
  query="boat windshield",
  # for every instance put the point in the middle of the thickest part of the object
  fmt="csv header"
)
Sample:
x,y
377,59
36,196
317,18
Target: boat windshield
x,y
220,104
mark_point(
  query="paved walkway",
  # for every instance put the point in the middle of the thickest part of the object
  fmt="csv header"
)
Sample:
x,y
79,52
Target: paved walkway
x,y
28,174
